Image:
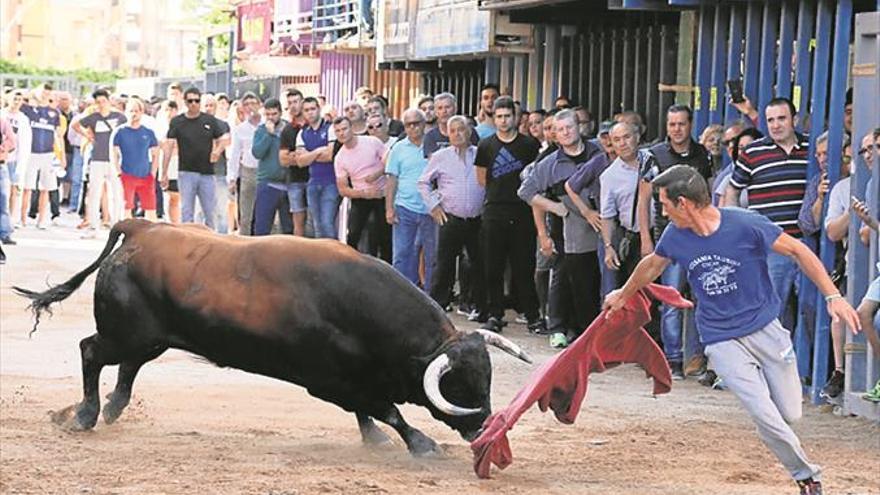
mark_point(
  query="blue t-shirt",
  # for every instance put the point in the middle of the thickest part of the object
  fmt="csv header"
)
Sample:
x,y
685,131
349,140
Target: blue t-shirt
x,y
485,130
44,121
320,173
728,273
134,146
406,161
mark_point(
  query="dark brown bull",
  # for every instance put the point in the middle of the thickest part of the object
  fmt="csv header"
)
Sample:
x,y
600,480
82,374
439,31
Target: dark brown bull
x,y
345,326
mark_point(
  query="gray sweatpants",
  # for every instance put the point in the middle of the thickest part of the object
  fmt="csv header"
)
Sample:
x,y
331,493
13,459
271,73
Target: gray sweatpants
x,y
761,370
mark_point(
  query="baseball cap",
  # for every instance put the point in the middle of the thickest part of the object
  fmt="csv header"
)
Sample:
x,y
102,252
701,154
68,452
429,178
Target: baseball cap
x,y
605,127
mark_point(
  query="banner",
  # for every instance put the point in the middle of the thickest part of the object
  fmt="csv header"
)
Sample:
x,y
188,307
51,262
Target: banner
x,y
255,26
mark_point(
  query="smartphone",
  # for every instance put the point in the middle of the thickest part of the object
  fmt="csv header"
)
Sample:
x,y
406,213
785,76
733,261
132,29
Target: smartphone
x,y
735,88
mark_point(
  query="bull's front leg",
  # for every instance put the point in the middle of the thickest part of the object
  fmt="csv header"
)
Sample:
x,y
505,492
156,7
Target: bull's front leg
x,y
418,443
370,433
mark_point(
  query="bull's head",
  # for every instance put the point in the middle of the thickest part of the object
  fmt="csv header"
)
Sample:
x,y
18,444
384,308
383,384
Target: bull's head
x,y
457,381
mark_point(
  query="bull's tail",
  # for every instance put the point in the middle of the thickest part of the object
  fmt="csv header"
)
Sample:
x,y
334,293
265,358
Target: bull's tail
x,y
41,301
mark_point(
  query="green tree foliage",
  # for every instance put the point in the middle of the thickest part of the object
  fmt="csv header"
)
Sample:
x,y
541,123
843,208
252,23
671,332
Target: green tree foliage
x,y
214,16
85,75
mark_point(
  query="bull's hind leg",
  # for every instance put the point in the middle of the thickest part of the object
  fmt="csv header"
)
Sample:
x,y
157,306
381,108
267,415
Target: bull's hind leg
x,y
121,395
96,353
371,433
417,442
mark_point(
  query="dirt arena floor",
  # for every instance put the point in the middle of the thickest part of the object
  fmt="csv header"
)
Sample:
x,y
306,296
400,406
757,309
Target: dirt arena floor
x,y
193,428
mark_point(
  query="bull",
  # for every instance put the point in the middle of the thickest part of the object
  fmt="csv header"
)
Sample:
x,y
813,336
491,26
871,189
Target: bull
x,y
316,313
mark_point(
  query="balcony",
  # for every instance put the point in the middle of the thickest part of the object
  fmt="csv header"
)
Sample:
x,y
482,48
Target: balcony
x,y
342,21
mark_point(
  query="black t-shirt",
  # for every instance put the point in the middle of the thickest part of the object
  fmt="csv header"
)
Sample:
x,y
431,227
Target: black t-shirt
x,y
504,162
666,157
288,142
68,148
195,140
102,127
436,141
395,128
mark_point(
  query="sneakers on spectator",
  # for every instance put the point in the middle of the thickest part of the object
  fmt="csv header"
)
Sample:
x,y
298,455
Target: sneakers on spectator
x,y
521,319
478,316
7,241
874,394
696,365
834,386
810,486
537,325
90,234
42,225
708,378
464,309
493,324
558,341
677,373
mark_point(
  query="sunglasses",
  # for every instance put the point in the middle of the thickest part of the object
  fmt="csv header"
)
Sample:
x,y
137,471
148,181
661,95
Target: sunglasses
x,y
865,151
193,100
372,127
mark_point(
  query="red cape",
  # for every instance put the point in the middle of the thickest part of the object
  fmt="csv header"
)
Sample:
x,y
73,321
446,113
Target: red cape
x,y
561,383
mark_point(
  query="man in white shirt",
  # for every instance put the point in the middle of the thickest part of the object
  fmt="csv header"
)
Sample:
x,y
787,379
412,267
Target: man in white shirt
x,y
241,170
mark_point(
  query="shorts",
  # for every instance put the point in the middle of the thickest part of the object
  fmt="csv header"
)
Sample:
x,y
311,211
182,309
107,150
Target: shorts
x,y
296,196
13,176
144,187
172,186
873,293
39,166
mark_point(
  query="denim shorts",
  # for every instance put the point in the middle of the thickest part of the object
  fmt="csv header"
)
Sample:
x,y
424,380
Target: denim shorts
x,y
296,196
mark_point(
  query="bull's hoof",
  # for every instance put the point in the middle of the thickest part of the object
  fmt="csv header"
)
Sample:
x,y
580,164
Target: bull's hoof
x,y
111,412
375,437
424,447
75,418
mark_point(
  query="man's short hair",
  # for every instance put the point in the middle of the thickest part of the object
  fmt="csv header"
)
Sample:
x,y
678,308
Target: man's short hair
x,y
293,92
311,99
363,90
380,100
460,119
568,114
680,108
171,104
272,103
632,128
192,90
339,120
684,181
877,133
101,92
222,96
781,100
504,102
176,86
540,111
249,95
425,99
490,86
446,96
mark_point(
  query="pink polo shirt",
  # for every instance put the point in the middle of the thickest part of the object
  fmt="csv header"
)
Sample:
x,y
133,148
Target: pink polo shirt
x,y
360,162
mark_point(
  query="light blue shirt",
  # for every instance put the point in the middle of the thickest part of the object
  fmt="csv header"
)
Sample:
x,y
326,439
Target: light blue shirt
x,y
485,130
406,161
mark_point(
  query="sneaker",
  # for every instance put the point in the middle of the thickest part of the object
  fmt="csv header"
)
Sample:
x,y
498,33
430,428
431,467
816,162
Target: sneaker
x,y
677,373
464,309
810,486
874,394
558,341
834,386
719,384
90,234
521,319
696,365
493,324
42,226
537,326
478,316
708,378
8,241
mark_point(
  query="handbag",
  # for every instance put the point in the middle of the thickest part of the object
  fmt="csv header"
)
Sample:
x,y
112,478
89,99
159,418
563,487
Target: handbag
x,y
629,239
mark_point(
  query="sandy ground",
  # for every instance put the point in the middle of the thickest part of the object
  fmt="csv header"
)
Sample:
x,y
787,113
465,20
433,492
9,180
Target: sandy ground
x,y
194,428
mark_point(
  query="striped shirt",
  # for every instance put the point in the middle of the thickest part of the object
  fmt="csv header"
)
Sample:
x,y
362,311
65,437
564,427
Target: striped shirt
x,y
775,180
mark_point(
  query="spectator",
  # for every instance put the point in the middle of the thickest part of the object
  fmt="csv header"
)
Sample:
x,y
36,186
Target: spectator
x,y
136,155
868,152
774,172
378,105
739,143
7,146
727,137
562,102
810,216
585,123
360,176
524,123
456,205
271,175
39,175
97,128
295,116
711,140
678,149
507,225
170,167
221,191
242,169
870,319
426,105
198,139
355,114
314,149
438,137
363,95
16,159
536,126
413,229
485,122
377,126
574,301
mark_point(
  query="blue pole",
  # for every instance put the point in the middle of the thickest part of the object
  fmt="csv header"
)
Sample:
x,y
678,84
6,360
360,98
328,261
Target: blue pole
x,y
717,90
786,48
704,68
734,53
806,23
769,29
752,52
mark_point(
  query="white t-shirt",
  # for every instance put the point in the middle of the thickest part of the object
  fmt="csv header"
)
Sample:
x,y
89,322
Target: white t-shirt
x,y
838,200
21,125
160,128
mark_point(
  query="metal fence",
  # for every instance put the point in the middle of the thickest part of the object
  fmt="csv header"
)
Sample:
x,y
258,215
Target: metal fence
x,y
61,83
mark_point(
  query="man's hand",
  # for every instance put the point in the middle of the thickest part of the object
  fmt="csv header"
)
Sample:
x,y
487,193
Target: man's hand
x,y
375,176
164,183
215,156
611,260
745,107
647,248
391,216
270,126
593,218
546,245
824,184
439,215
613,301
840,310
558,209
864,213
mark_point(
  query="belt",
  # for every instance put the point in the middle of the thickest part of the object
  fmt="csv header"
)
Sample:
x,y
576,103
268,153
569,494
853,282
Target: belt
x,y
469,219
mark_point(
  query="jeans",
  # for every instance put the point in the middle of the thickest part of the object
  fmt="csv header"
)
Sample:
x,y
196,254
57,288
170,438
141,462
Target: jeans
x,y
783,274
221,194
269,201
370,214
194,184
5,187
412,232
323,205
75,172
671,325
609,276
457,234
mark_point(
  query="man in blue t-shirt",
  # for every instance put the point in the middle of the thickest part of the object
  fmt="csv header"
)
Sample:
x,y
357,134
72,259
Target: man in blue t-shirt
x,y
314,149
724,252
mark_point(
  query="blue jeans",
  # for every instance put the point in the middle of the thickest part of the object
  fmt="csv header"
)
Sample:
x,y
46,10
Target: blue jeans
x,y
194,184
323,205
268,201
783,275
5,185
671,328
412,233
221,194
75,172
609,276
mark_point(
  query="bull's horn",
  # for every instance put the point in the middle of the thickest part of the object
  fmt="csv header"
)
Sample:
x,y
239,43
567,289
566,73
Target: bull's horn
x,y
431,382
504,344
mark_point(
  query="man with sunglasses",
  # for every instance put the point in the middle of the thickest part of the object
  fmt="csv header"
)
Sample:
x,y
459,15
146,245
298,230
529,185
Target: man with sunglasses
x,y
199,139
377,126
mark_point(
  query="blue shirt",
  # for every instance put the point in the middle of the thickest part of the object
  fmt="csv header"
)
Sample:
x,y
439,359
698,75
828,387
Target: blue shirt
x,y
44,120
406,161
134,146
320,173
728,274
485,130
